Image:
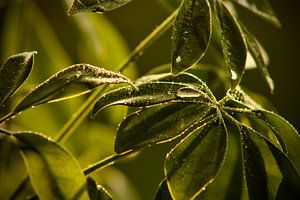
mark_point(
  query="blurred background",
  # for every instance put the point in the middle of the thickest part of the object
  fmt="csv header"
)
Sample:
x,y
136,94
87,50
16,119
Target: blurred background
x,y
105,40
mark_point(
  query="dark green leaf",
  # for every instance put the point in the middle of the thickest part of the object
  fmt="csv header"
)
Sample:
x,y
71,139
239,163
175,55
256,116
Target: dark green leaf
x,y
191,35
193,164
53,172
233,42
258,58
158,124
97,192
162,192
13,73
99,6
68,83
261,8
147,94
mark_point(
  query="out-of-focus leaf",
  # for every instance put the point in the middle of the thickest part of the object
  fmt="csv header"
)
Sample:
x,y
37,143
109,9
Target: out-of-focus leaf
x,y
97,192
162,192
147,94
158,124
191,34
13,73
233,42
261,8
68,83
193,164
257,56
99,6
53,172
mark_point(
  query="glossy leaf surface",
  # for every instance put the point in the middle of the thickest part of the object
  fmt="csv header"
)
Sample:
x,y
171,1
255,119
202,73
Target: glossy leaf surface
x,y
53,172
97,192
233,43
162,192
193,164
157,124
13,73
191,34
68,83
147,94
99,6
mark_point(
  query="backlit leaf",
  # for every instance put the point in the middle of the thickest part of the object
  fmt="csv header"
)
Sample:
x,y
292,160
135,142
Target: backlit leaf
x,y
193,164
158,124
99,6
233,42
191,34
97,192
53,172
68,83
13,73
162,192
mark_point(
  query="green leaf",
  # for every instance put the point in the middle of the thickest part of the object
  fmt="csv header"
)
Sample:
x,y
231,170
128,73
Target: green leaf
x,y
162,192
98,6
261,8
68,83
258,58
147,94
97,192
233,42
158,124
193,164
53,172
13,73
191,34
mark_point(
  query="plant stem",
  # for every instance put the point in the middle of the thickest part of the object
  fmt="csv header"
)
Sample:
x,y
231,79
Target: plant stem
x,y
85,109
105,162
5,132
6,117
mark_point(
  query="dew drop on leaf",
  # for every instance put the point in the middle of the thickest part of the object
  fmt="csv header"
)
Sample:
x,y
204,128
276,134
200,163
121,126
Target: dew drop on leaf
x,y
178,59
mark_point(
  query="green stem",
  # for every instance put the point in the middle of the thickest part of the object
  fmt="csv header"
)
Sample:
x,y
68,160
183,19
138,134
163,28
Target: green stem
x,y
85,109
5,132
105,162
7,117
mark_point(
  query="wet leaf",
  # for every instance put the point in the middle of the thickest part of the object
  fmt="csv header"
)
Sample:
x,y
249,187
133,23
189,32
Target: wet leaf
x,y
191,34
53,172
99,6
68,83
261,8
13,73
158,124
233,42
147,94
162,192
193,164
97,192
258,58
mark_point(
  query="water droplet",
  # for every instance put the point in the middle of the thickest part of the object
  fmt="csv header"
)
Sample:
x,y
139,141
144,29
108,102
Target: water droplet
x,y
234,75
178,59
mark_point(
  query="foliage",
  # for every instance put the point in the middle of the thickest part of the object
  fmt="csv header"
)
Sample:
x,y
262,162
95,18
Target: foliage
x,y
175,103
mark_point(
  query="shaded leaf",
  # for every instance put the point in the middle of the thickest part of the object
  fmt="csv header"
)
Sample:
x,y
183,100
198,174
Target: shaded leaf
x,y
97,192
261,8
233,42
99,6
53,172
158,124
162,192
193,164
147,94
68,83
258,58
13,73
191,34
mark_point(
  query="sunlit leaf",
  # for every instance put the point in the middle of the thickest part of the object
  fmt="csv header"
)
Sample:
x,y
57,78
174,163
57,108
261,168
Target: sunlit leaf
x,y
70,82
147,94
162,192
261,8
158,124
53,172
191,34
233,42
13,73
193,164
98,6
97,192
